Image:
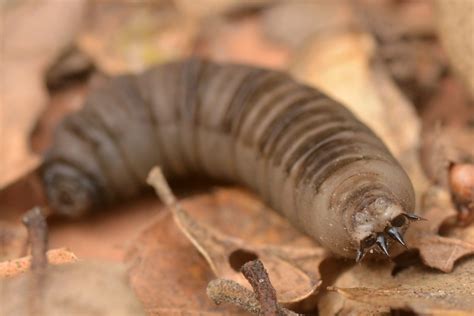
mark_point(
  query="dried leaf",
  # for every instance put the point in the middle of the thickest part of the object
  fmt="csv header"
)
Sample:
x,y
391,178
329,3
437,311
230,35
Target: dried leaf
x,y
126,37
164,262
293,271
437,251
368,274
456,27
206,8
15,267
418,289
303,19
84,288
406,32
441,252
167,273
447,131
241,41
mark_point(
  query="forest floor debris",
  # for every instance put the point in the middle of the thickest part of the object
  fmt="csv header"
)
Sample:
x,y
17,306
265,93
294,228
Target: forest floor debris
x,y
384,59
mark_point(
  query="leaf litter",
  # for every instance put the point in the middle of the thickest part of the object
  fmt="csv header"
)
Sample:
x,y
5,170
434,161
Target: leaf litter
x,y
418,289
32,286
291,260
25,60
167,273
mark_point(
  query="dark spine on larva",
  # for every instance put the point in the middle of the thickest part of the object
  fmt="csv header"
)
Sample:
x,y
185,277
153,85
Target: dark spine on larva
x,y
305,154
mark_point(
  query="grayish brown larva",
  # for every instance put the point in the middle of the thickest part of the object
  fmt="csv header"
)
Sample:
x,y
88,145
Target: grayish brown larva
x,y
305,154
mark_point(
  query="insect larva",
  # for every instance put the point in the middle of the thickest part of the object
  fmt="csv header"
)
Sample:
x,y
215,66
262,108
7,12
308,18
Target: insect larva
x,y
304,153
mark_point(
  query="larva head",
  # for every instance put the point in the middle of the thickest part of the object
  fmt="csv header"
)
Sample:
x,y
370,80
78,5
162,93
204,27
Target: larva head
x,y
380,210
378,223
363,205
70,192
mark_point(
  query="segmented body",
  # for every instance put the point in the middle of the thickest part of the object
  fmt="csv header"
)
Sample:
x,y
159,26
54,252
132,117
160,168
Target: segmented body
x,y
305,154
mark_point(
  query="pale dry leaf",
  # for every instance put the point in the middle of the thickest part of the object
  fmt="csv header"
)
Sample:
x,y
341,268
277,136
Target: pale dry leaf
x,y
456,28
18,266
292,23
241,41
83,288
33,35
122,37
204,8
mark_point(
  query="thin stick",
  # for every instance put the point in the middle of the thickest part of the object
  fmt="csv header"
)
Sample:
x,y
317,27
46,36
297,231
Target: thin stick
x,y
35,223
255,273
37,228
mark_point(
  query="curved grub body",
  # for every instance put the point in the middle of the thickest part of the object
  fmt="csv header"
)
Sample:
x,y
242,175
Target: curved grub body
x,y
306,155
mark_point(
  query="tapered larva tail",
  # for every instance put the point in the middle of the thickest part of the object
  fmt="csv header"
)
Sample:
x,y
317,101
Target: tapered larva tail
x,y
305,154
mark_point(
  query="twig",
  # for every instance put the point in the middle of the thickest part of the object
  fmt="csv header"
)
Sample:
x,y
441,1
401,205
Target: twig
x,y
35,223
228,291
38,238
262,301
157,180
255,273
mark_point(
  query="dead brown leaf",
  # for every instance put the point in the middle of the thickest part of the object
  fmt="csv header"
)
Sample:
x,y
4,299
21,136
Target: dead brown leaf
x,y
418,289
441,252
370,274
167,273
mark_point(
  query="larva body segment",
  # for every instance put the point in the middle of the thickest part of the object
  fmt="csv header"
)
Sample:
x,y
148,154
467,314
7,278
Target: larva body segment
x,y
305,154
